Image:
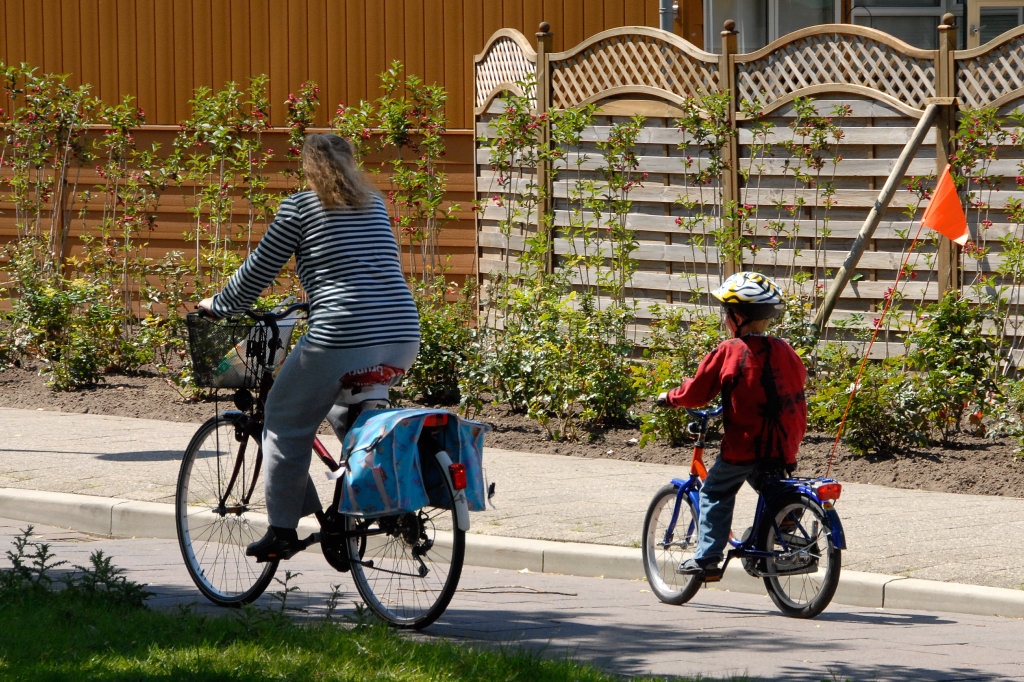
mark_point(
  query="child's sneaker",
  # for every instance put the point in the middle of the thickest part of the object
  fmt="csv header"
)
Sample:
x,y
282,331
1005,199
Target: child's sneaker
x,y
706,568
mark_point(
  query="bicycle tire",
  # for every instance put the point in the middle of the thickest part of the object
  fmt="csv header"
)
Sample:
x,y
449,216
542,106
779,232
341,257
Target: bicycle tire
x,y
213,535
390,554
803,573
663,553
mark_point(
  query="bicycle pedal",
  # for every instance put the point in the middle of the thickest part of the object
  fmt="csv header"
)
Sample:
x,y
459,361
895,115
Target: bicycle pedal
x,y
279,551
278,555
712,577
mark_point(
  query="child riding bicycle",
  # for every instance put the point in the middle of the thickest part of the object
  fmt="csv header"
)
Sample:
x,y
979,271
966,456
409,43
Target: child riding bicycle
x,y
761,380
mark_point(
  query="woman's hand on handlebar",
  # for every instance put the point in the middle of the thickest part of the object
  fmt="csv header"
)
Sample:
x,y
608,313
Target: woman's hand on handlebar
x,y
205,307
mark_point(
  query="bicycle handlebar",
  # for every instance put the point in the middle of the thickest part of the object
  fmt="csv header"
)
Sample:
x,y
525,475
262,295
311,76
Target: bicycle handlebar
x,y
271,316
704,414
263,316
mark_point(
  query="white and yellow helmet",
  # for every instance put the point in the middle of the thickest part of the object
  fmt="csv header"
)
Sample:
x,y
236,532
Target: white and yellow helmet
x,y
752,295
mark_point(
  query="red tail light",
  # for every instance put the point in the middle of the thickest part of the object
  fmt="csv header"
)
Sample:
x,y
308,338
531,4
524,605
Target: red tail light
x,y
436,419
458,473
829,491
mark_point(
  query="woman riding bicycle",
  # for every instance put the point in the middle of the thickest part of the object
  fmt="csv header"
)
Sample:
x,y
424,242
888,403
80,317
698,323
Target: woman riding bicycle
x,y
362,315
761,381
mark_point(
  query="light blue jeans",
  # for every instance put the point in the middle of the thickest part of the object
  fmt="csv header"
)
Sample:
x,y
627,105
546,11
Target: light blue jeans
x,y
717,502
304,393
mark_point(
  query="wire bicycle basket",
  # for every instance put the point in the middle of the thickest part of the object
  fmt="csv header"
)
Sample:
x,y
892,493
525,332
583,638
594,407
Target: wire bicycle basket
x,y
233,352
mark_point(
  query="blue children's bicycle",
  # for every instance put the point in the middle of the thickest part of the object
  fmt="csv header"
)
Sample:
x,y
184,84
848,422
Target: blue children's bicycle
x,y
795,543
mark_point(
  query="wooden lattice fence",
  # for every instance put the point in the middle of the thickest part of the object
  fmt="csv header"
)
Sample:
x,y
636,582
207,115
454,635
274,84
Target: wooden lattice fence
x,y
793,229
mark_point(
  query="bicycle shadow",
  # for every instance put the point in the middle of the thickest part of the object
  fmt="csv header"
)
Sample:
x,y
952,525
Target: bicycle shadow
x,y
143,456
135,456
714,640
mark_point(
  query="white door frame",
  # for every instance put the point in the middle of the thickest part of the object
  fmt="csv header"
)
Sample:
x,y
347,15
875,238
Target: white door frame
x,y
974,16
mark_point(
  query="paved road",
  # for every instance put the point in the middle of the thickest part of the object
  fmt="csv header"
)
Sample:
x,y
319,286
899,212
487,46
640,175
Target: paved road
x,y
617,625
555,564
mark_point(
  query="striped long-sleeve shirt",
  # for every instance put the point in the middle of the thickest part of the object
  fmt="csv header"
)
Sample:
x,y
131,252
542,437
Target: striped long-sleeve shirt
x,y
348,263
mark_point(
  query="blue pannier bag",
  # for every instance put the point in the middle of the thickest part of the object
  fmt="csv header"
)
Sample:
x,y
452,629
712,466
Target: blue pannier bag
x,y
385,474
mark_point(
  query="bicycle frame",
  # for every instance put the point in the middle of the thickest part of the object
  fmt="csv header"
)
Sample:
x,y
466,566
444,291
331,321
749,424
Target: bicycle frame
x,y
822,490
690,489
408,573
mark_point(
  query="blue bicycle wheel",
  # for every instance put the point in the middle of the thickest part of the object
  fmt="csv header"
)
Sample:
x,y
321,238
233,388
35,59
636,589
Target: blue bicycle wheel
x,y
803,572
667,544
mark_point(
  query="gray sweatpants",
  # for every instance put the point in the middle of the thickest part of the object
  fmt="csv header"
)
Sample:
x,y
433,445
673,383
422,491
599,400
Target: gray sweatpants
x,y
305,391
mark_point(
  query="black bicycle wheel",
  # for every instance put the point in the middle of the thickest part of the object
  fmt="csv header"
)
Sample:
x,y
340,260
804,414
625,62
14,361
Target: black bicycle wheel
x,y
803,572
664,551
219,510
407,567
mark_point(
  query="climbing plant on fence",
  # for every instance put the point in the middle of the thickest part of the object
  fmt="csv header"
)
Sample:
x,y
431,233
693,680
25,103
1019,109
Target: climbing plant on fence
x,y
72,167
953,347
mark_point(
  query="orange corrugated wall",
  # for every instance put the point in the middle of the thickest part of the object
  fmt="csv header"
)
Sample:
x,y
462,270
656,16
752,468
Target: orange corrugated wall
x,y
161,50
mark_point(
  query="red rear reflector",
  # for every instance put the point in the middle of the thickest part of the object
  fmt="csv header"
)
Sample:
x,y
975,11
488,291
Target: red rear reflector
x,y
437,419
829,491
458,472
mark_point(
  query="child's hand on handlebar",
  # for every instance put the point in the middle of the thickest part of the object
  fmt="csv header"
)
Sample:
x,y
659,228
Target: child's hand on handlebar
x,y
662,400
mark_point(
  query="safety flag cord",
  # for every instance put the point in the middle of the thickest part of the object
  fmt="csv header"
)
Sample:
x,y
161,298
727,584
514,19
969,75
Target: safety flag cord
x,y
944,214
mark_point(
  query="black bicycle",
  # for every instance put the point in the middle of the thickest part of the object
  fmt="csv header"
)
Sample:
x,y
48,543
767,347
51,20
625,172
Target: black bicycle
x,y
406,565
794,544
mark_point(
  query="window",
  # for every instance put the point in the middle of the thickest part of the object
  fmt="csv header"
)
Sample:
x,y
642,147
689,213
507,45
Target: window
x,y
751,23
912,21
796,14
995,22
758,22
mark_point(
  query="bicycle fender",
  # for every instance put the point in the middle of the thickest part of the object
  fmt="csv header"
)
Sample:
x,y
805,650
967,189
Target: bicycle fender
x,y
233,415
836,526
691,491
459,499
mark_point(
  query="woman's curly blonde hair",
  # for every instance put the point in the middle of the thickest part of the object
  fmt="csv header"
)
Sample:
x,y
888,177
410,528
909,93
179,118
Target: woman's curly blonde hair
x,y
329,164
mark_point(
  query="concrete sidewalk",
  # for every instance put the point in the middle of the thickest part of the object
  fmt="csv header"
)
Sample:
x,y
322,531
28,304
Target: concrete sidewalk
x,y
115,477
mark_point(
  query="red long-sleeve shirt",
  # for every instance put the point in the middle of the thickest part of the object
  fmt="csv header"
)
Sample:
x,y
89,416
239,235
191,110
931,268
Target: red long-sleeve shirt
x,y
761,379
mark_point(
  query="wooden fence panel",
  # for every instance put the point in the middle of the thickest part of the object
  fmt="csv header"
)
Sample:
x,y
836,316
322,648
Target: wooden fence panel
x,y
790,231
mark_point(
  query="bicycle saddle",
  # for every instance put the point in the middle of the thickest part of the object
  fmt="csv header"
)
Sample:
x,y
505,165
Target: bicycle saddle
x,y
371,383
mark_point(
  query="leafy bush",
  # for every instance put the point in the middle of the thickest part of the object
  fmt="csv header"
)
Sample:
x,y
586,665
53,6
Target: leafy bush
x,y
885,415
70,323
955,361
1008,408
446,332
558,357
678,341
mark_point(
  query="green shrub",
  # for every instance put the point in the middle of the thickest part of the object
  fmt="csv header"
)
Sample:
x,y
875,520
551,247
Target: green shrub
x,y
558,357
885,415
955,361
445,333
678,341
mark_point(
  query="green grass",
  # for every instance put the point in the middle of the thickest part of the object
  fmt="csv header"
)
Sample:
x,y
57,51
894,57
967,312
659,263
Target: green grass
x,y
54,635
91,623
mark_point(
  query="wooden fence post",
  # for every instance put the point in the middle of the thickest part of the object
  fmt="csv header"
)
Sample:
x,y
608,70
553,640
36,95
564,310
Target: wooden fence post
x,y
731,176
948,256
544,171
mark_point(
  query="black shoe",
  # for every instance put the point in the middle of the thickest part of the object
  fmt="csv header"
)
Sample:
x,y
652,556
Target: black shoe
x,y
277,544
700,567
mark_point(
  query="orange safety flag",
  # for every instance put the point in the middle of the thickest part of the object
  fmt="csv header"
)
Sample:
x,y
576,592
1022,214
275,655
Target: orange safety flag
x,y
945,214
